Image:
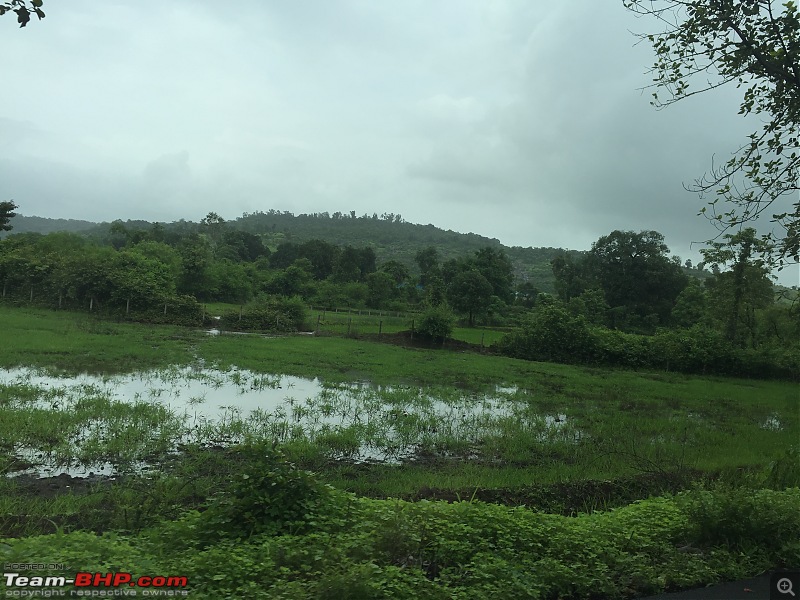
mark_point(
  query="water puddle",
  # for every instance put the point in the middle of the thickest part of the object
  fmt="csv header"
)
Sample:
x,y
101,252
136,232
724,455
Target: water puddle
x,y
89,424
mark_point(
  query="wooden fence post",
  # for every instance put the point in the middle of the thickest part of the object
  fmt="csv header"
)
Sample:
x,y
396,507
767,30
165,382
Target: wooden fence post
x,y
31,293
91,304
127,306
165,308
380,328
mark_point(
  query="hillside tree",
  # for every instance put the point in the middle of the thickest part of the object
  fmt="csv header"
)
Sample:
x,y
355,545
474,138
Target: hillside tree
x,y
7,213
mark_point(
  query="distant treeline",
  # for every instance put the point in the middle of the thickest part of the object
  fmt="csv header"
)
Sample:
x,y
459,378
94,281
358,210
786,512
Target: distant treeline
x,y
626,302
390,237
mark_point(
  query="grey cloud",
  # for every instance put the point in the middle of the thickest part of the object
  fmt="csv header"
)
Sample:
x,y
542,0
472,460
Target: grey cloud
x,y
517,120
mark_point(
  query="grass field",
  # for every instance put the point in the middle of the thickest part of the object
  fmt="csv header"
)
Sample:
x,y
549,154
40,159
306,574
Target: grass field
x,y
615,423
371,322
455,425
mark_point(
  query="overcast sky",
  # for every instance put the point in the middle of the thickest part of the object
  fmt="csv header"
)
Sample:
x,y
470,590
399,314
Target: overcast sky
x,y
519,120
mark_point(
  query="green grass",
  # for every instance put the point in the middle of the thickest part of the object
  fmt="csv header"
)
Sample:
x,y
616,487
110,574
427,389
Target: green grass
x,y
478,335
627,422
76,342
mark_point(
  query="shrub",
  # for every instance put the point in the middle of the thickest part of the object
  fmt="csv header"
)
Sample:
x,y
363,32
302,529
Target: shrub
x,y
269,495
551,334
436,323
268,313
744,520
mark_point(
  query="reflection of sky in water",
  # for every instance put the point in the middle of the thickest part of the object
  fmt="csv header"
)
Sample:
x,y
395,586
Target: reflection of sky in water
x,y
390,422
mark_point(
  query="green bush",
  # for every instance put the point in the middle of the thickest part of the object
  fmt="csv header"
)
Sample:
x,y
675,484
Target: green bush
x,y
267,313
764,523
269,495
181,310
436,323
550,334
278,534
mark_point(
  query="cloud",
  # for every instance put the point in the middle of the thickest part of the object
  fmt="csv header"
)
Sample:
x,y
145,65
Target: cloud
x,y
517,120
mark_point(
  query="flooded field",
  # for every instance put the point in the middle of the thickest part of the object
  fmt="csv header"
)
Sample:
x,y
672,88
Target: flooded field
x,y
79,425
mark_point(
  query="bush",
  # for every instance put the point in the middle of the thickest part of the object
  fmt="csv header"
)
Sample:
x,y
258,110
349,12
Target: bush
x,y
436,323
267,313
269,495
181,310
747,521
551,334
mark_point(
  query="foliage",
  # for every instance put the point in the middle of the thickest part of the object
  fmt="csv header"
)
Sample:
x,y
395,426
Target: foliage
x,y
388,548
553,334
755,46
269,495
436,322
7,213
176,310
382,289
755,522
469,292
550,334
635,272
267,313
23,9
691,306
743,289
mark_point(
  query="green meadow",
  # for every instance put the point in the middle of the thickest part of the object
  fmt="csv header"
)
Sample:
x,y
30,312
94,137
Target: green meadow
x,y
385,421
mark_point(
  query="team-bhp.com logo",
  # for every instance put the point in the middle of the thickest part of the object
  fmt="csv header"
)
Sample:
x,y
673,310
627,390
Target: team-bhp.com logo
x,y
96,585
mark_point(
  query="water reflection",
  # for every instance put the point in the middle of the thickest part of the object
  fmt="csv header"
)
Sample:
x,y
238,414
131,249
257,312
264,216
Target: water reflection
x,y
356,421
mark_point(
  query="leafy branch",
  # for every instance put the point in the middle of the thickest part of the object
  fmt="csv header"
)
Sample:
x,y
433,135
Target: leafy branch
x,y
23,9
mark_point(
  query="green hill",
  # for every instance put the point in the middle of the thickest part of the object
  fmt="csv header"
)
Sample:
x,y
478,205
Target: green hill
x,y
389,235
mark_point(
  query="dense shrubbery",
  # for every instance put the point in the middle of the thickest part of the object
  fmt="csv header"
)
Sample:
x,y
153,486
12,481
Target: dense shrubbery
x,y
280,541
553,334
435,323
269,495
267,313
180,310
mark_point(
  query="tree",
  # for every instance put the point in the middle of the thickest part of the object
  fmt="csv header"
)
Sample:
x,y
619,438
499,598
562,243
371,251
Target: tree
x,y
691,305
755,46
469,292
428,261
495,266
382,289
526,294
746,287
397,271
570,279
6,214
635,273
23,10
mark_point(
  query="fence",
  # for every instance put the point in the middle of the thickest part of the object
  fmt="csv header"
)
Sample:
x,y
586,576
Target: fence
x,y
176,310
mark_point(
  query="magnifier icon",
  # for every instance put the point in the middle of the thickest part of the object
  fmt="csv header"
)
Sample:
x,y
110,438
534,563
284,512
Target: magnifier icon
x,y
784,586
